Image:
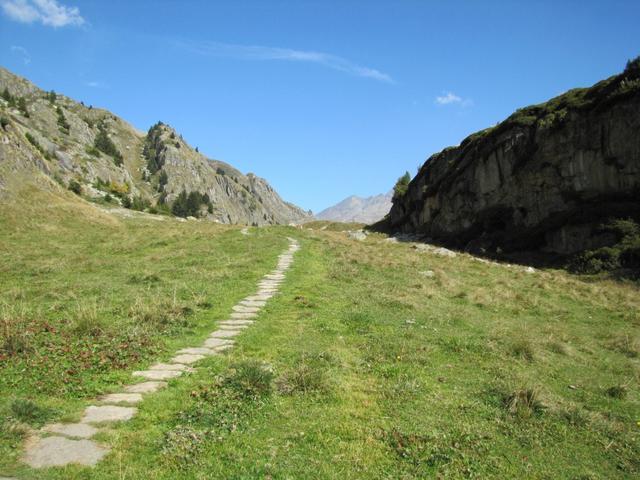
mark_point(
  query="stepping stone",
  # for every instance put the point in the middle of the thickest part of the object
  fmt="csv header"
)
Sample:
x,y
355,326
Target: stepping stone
x,y
168,366
244,323
60,451
241,309
121,398
145,387
253,303
259,297
187,358
196,351
78,430
224,333
223,326
107,413
222,348
217,342
242,315
157,374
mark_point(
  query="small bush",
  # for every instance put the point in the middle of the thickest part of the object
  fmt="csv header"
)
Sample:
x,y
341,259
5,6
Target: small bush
x,y
523,403
523,349
126,201
250,378
93,151
4,121
29,412
401,186
75,187
103,143
617,391
63,125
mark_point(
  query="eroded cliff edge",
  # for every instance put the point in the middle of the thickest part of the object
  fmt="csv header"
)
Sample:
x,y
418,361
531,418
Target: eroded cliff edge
x,y
543,180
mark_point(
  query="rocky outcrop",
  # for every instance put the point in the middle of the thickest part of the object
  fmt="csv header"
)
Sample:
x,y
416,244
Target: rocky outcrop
x,y
542,180
357,209
56,138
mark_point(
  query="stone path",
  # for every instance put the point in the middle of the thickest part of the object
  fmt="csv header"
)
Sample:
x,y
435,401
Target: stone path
x,y
60,444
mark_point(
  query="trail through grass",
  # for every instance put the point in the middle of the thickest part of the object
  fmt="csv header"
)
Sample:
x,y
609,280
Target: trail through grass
x,y
364,366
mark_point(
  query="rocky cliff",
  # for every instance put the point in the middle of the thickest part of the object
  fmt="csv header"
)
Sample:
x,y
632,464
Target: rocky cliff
x,y
542,180
103,158
357,209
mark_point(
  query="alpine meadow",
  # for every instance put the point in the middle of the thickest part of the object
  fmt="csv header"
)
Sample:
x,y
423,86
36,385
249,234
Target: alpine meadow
x,y
165,314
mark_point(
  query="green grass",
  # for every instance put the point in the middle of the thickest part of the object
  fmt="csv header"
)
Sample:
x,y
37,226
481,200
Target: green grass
x,y
360,368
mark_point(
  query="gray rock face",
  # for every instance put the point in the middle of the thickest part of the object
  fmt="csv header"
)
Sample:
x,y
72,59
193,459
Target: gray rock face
x,y
357,209
541,180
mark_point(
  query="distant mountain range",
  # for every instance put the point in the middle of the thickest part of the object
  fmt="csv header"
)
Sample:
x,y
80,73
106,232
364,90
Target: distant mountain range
x,y
358,209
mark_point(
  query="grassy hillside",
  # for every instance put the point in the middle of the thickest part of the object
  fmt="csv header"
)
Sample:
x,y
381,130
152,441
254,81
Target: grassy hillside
x,y
377,360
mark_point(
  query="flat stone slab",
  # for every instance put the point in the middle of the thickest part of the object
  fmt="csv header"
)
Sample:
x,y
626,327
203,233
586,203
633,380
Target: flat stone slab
x,y
60,451
243,309
237,323
222,326
224,333
259,297
196,351
217,342
77,430
145,387
157,374
187,358
121,398
222,348
108,413
253,303
242,315
168,366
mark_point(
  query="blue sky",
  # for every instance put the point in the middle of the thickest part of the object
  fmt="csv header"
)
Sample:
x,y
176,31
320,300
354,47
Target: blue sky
x,y
323,98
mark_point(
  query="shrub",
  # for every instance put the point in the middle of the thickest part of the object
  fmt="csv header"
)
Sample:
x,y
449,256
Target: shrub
x,y
189,205
103,143
22,106
617,391
523,403
52,97
8,97
307,376
139,203
75,187
162,180
401,186
63,125
625,253
250,378
93,151
150,152
126,201
4,121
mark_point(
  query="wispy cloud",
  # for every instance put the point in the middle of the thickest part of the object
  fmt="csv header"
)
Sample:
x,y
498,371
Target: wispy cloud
x,y
95,84
449,98
17,49
258,52
48,12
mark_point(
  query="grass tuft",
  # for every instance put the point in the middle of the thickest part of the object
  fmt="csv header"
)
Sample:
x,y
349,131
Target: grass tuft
x,y
523,403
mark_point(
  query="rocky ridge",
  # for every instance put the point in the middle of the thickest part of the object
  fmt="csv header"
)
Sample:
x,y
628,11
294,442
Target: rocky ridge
x,y
47,136
543,180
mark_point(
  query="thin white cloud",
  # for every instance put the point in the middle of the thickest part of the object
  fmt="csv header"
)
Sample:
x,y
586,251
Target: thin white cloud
x,y
95,84
257,52
26,58
450,98
48,12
